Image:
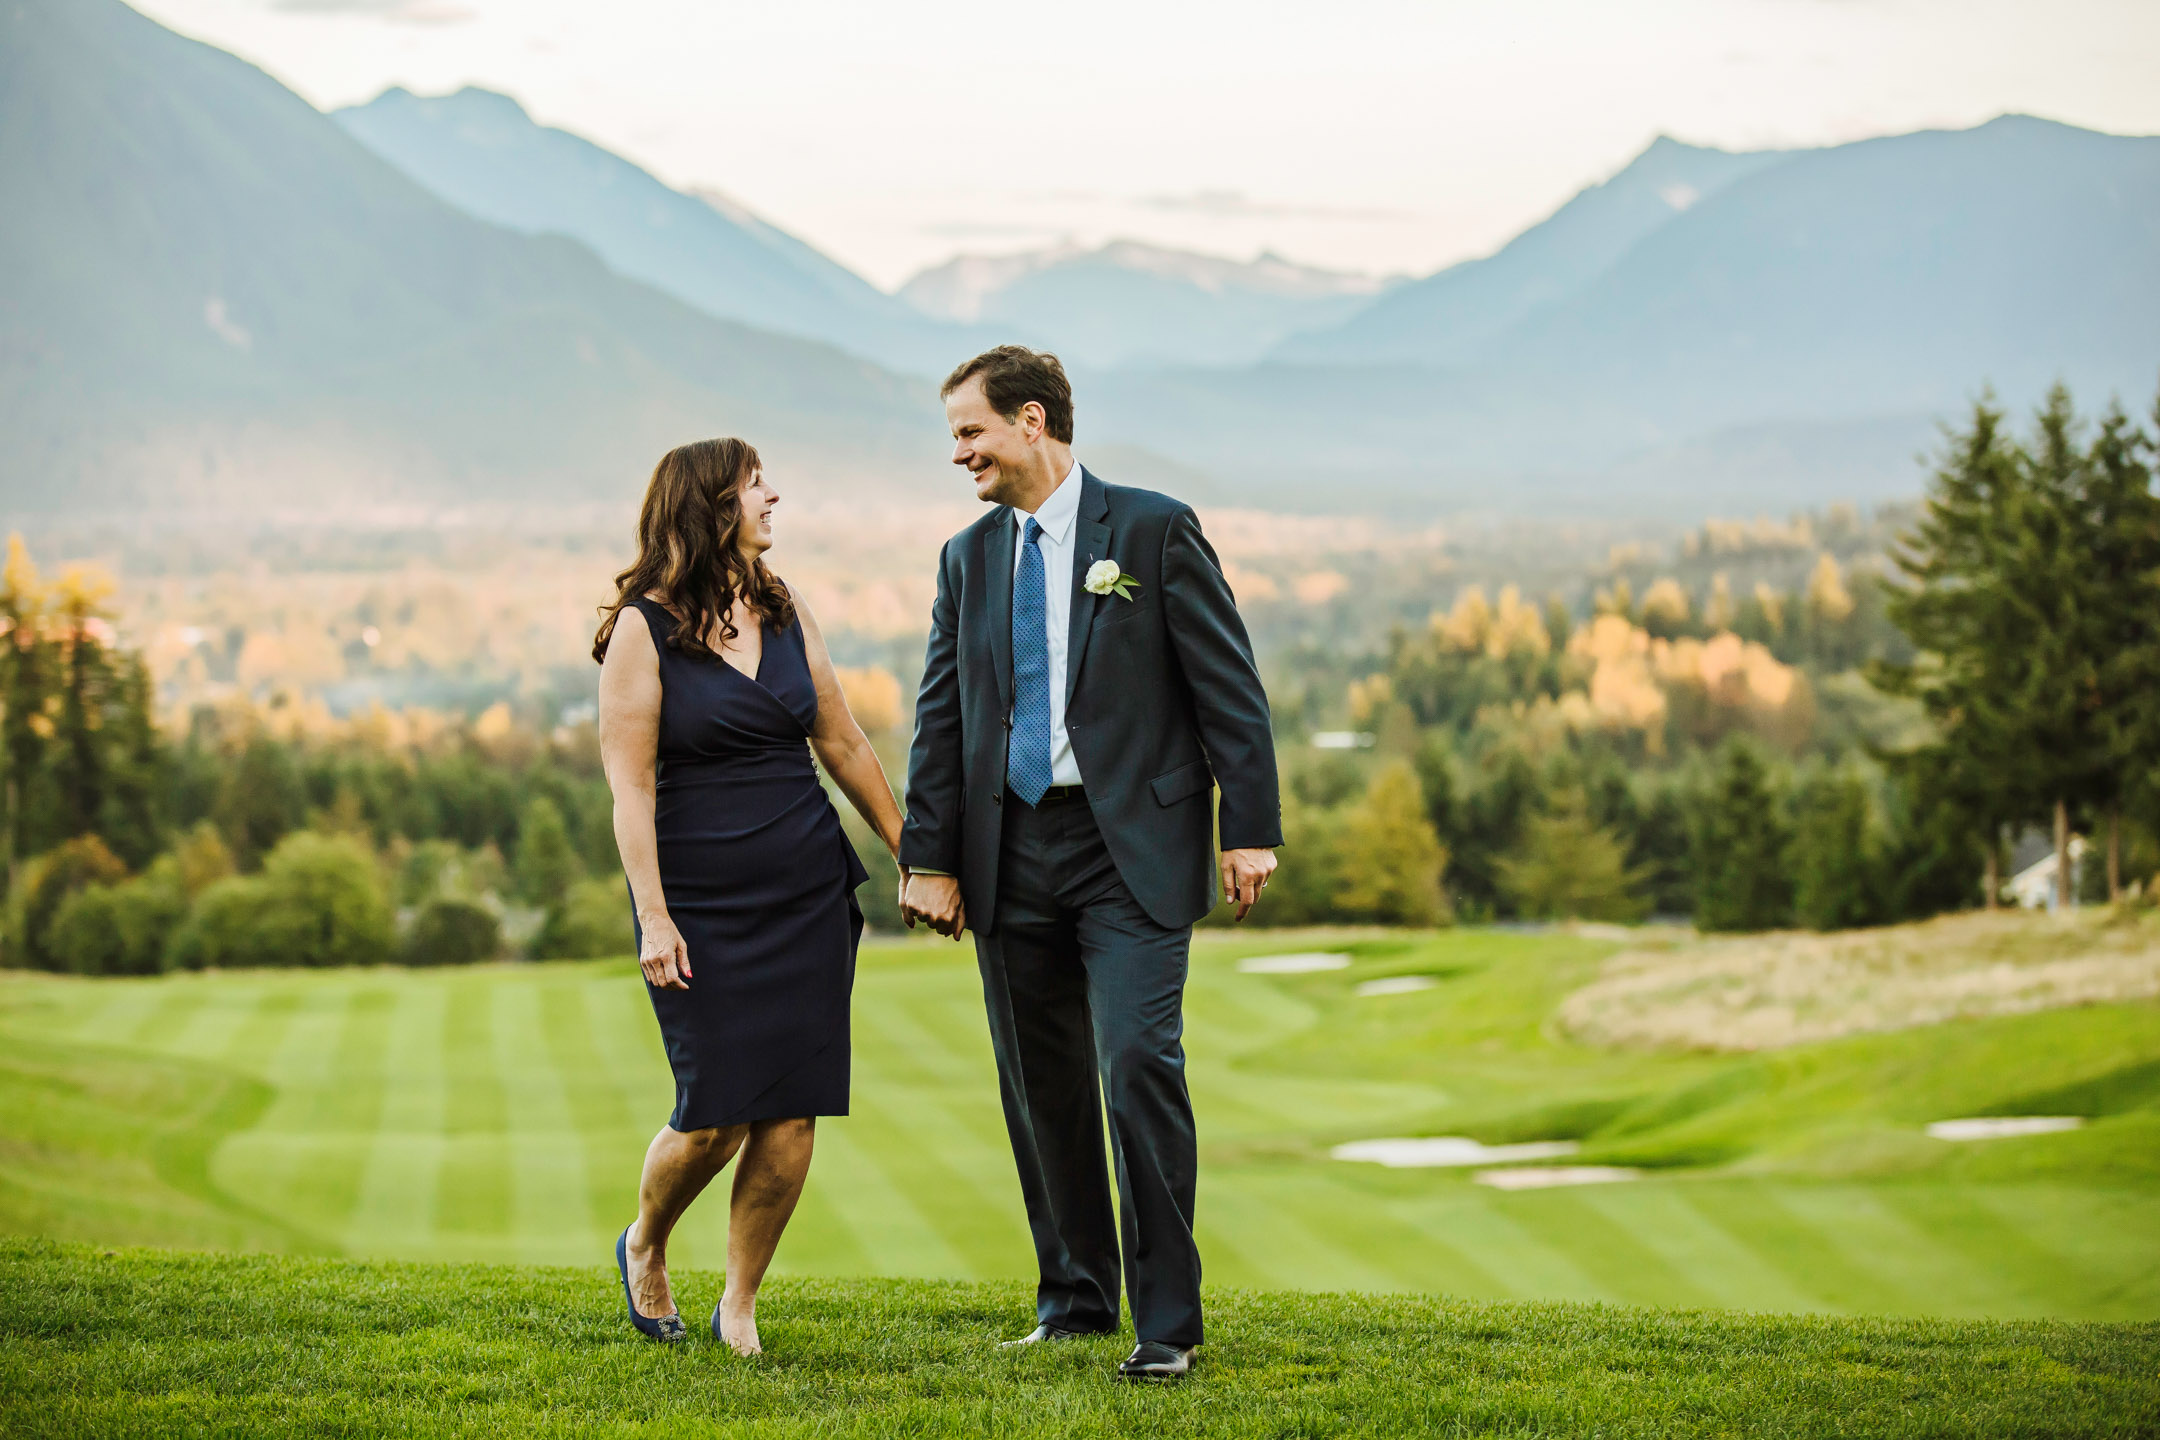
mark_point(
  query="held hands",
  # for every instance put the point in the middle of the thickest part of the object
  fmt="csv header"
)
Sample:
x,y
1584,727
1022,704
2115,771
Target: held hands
x,y
1244,875
661,953
935,901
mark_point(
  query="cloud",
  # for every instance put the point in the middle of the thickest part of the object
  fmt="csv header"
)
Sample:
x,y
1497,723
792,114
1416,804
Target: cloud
x,y
397,12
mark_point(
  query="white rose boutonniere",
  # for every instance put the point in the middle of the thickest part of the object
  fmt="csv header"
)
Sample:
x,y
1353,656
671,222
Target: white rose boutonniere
x,y
1105,578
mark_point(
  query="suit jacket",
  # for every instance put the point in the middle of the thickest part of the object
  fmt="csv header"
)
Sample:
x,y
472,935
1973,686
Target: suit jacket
x,y
1162,703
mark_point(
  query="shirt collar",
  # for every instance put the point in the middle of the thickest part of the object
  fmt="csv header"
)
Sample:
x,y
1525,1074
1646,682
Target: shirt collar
x,y
1057,512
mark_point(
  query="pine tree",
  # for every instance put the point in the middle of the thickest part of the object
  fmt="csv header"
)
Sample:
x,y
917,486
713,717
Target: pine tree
x,y
1834,854
546,865
1742,875
1391,857
1962,609
2120,611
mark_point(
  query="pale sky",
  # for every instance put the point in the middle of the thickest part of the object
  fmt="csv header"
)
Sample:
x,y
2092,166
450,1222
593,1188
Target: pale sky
x,y
1392,136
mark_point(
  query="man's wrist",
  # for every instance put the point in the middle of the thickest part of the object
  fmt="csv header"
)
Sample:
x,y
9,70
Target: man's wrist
x,y
926,870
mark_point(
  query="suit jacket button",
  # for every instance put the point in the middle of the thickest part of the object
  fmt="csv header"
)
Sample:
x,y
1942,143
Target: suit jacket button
x,y
997,799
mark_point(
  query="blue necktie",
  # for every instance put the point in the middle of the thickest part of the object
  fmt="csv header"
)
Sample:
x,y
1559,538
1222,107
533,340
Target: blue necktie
x,y
1027,754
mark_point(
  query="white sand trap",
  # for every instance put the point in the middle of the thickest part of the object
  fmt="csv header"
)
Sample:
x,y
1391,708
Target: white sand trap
x,y
1595,930
1397,985
1300,964
1448,1150
1998,1127
1546,1177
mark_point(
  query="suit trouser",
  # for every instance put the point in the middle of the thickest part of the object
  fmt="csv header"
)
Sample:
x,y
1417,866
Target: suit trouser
x,y
1085,996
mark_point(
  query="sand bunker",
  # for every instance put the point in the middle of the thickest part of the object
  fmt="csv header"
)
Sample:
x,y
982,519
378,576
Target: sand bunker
x,y
1547,1177
1397,985
2002,1127
1447,1150
1302,964
1764,991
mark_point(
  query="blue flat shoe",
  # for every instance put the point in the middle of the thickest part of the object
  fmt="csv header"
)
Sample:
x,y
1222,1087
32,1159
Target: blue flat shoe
x,y
667,1327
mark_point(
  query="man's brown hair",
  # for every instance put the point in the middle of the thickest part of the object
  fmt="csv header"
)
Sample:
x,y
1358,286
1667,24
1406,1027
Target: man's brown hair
x,y
1011,376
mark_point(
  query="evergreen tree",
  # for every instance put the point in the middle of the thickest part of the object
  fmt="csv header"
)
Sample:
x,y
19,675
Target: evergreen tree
x,y
25,663
546,864
1834,854
1742,875
2120,611
1391,858
1962,611
1568,867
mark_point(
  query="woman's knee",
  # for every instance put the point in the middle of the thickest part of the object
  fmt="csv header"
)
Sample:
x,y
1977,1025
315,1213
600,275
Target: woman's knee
x,y
714,1140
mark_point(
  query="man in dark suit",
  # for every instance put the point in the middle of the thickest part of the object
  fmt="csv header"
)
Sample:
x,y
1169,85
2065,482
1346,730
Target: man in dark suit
x,y
1088,684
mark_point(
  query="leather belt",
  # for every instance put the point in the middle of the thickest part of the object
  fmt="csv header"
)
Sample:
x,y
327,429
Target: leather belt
x,y
1060,795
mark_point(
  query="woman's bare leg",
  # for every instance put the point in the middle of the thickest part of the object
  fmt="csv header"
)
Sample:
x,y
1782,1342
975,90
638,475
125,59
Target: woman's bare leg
x,y
768,1182
678,1167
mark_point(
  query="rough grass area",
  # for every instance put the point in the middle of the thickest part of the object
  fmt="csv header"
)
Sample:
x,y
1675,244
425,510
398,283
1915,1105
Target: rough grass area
x,y
1761,992
144,1343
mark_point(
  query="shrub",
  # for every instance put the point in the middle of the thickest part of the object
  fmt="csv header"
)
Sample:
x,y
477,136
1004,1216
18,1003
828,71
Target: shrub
x,y
592,921
49,881
122,929
449,931
318,901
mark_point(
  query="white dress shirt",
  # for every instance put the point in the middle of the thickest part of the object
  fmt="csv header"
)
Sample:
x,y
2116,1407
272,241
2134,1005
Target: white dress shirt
x,y
1056,517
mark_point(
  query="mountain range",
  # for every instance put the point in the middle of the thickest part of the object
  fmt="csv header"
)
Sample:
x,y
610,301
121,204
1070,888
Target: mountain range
x,y
1128,303
212,294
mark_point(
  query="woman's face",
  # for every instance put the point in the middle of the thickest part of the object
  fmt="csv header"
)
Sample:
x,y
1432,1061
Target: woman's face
x,y
754,536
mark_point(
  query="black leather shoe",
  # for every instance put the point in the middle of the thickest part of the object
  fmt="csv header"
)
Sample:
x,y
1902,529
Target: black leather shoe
x,y
1044,1334
1153,1360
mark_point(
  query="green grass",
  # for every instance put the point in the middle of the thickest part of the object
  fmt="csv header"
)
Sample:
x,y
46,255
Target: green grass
x,y
144,1343
498,1114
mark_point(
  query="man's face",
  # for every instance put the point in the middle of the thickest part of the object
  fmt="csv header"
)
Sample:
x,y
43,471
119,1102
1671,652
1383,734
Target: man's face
x,y
993,449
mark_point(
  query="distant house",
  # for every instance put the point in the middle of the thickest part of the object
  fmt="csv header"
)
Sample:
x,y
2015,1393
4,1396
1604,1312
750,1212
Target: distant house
x,y
2032,869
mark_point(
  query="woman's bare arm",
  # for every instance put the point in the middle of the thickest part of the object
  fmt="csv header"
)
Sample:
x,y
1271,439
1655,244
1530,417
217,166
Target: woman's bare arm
x,y
841,746
629,749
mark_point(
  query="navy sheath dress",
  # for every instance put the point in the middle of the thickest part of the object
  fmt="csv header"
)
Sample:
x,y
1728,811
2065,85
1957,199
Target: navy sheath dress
x,y
761,882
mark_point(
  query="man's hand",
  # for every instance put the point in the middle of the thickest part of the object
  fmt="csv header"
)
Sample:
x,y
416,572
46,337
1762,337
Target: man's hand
x,y
661,953
934,900
1244,875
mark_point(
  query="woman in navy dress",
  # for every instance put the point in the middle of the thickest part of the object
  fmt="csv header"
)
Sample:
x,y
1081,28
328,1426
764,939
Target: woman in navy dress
x,y
715,687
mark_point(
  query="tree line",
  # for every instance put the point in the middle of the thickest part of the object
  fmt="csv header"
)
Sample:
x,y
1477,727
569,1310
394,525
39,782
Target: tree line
x,y
272,835
1858,751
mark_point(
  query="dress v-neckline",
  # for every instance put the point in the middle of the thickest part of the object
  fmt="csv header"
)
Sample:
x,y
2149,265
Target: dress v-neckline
x,y
757,676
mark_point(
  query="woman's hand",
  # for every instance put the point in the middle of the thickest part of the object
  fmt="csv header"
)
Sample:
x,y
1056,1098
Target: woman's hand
x,y
662,955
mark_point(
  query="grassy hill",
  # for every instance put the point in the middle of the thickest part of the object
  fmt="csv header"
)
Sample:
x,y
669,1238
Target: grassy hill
x,y
152,1344
498,1114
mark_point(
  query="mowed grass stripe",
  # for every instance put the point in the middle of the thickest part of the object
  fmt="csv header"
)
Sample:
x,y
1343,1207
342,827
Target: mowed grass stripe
x,y
552,1219
613,1152
1572,1222
176,1004
901,1133
626,1040
347,1110
207,1031
2113,1235
1918,1272
472,1183
1275,1240
1662,1216
395,1211
956,1110
1386,1239
267,1164
881,1215
253,1044
2024,1273
1751,1212
1514,1254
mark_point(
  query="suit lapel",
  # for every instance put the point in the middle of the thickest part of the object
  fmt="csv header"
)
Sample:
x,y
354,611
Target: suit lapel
x,y
998,564
1091,543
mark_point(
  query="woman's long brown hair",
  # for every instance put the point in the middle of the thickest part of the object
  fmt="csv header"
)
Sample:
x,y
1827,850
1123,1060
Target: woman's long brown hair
x,y
687,555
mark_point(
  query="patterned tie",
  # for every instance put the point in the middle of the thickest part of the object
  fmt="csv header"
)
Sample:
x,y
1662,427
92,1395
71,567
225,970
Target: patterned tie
x,y
1027,754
